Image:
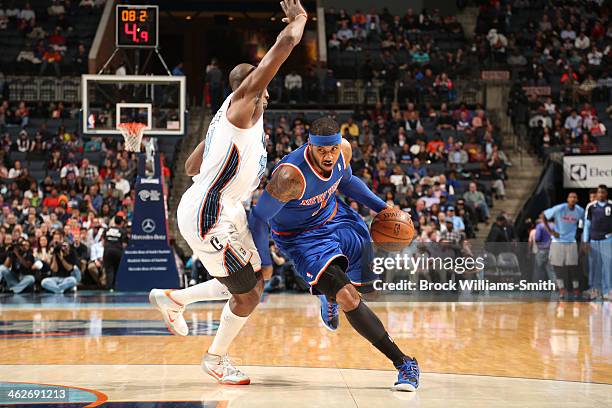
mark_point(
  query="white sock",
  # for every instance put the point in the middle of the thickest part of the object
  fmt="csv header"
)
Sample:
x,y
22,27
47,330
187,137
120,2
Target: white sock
x,y
229,327
209,290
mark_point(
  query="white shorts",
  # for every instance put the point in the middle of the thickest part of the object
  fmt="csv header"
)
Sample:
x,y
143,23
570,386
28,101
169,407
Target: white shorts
x,y
563,254
219,236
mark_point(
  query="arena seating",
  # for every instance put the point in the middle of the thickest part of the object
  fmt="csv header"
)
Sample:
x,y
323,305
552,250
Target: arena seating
x,y
564,55
23,44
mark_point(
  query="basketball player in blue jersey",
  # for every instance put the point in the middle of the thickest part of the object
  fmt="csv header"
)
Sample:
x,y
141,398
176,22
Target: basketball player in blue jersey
x,y
327,240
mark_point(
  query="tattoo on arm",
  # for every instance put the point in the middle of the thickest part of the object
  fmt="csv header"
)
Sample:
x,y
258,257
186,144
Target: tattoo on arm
x,y
286,184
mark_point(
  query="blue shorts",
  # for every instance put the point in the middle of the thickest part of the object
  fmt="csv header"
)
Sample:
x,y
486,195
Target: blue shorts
x,y
600,265
344,238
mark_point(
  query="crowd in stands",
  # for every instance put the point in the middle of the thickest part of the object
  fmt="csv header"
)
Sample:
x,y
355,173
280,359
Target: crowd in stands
x,y
48,37
569,128
422,52
18,114
397,46
58,195
316,84
562,48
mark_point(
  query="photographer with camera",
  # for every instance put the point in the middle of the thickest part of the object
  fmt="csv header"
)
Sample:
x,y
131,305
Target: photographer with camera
x,y
18,265
65,273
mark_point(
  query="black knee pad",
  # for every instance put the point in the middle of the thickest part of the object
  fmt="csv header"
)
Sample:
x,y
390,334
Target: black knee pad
x,y
241,281
331,281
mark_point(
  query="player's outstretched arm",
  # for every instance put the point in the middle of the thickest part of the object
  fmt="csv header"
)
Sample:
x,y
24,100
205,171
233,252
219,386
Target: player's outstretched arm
x,y
285,185
255,84
353,187
291,36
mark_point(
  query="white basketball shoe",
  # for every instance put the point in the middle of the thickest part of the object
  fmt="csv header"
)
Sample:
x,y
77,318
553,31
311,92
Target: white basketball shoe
x,y
170,310
222,370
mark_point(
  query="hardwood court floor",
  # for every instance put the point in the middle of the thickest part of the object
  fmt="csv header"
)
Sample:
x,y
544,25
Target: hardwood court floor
x,y
475,354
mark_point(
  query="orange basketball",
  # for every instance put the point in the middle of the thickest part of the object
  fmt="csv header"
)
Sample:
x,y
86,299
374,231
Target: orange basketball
x,y
392,229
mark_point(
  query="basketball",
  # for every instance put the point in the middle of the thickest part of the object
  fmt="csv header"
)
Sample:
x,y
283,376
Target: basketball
x,y
392,229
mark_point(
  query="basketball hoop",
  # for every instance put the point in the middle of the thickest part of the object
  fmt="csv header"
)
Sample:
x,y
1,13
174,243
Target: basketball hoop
x,y
132,133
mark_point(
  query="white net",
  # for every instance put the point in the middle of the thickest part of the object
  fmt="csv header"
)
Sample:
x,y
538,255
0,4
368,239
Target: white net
x,y
132,133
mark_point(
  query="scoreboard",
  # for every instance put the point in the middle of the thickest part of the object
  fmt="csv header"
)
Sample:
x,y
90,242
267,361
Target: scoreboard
x,y
136,26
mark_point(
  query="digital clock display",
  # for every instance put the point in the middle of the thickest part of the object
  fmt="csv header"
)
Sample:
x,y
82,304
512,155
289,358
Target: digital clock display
x,y
136,26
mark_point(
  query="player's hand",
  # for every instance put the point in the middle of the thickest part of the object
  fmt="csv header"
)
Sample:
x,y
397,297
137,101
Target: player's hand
x,y
555,234
266,272
292,9
388,206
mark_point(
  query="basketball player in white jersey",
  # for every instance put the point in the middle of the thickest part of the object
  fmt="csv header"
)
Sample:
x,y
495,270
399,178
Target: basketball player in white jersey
x,y
227,167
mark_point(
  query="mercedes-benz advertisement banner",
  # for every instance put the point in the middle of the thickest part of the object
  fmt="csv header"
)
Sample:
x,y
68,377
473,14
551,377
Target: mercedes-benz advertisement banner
x,y
148,261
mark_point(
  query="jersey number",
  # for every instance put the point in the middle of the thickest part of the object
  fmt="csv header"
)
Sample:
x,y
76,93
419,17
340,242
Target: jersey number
x,y
323,204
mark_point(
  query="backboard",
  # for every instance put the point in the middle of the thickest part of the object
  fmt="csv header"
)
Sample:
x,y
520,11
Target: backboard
x,y
157,101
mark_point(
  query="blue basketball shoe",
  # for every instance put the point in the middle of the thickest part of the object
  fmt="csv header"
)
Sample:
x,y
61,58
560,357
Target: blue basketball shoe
x,y
407,376
329,313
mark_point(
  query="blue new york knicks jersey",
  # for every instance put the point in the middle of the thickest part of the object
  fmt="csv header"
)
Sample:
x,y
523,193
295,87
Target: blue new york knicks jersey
x,y
317,228
318,201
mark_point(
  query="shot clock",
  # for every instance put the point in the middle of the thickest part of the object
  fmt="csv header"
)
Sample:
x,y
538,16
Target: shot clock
x,y
136,26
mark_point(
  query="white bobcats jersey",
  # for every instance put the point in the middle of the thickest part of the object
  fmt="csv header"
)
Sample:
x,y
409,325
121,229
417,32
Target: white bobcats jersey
x,y
234,159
